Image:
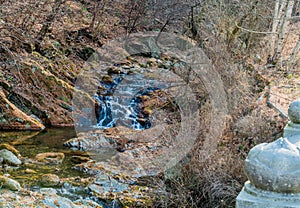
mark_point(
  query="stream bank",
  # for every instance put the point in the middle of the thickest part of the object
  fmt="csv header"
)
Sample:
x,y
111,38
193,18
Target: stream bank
x,y
115,162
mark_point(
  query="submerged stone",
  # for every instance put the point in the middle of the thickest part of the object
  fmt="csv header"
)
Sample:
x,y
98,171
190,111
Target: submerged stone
x,y
79,159
10,148
104,184
9,157
50,157
50,180
10,183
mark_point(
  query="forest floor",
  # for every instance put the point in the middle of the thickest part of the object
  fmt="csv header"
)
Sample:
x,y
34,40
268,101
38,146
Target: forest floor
x,y
284,82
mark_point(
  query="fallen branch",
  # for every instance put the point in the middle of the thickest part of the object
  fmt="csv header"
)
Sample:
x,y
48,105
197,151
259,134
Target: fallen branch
x,y
281,113
254,31
272,105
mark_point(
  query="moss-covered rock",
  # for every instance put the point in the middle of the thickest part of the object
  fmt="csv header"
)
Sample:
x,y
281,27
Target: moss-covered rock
x,y
49,180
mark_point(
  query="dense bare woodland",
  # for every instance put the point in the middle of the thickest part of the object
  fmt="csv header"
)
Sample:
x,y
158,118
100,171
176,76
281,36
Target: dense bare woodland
x,y
253,45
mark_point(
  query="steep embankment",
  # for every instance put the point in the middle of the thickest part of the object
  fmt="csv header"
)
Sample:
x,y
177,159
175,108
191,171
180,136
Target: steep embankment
x,y
37,75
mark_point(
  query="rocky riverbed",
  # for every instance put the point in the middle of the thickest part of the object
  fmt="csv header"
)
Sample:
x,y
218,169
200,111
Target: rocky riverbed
x,y
110,159
41,172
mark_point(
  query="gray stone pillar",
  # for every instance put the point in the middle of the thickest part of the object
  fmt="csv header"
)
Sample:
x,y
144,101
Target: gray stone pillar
x,y
273,169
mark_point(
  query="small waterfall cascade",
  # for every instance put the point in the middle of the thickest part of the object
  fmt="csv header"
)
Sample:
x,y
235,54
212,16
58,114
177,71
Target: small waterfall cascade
x,y
119,101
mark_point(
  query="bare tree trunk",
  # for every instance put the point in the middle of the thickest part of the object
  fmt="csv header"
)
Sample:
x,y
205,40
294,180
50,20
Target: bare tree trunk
x,y
275,25
284,28
279,14
295,53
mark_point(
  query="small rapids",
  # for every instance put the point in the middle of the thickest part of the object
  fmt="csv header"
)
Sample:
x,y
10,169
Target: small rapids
x,y
119,103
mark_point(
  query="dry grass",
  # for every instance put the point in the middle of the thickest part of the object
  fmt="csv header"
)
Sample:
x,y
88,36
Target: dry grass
x,y
216,181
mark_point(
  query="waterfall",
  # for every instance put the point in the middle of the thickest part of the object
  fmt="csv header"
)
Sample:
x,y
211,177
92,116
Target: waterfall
x,y
118,102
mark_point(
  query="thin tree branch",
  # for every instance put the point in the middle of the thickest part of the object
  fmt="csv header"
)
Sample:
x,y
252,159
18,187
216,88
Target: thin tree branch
x,y
254,31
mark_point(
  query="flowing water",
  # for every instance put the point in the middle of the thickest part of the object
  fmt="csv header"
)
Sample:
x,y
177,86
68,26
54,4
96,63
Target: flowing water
x,y
119,104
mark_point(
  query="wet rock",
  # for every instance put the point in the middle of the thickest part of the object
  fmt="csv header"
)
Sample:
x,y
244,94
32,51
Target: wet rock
x,y
142,121
49,180
126,67
79,159
152,62
10,148
168,64
10,183
107,79
105,184
89,141
123,63
46,197
114,70
9,157
30,171
109,182
165,57
143,97
58,201
147,111
131,59
106,187
142,65
50,157
88,203
130,72
48,191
